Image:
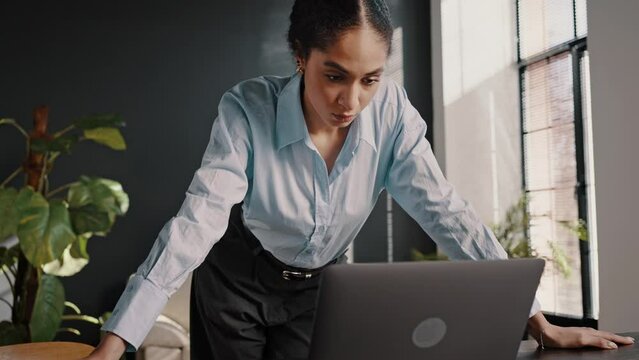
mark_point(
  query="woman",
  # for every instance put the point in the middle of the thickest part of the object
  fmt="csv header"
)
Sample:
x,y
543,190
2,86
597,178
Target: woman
x,y
306,156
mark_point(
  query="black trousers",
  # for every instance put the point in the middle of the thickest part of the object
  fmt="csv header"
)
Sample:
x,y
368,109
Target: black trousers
x,y
242,308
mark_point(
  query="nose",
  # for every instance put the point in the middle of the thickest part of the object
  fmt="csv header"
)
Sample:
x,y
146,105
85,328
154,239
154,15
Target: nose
x,y
349,99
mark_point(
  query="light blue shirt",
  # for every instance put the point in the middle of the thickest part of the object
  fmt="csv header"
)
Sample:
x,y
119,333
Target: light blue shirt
x,y
260,152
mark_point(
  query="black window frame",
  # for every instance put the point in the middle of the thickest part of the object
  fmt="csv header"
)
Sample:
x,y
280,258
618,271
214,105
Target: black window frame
x,y
577,47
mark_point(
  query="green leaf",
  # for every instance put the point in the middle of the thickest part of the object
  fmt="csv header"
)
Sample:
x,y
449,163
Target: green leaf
x,y
417,255
578,228
12,334
3,257
104,317
9,256
8,212
79,247
89,191
110,137
560,259
106,194
67,265
48,309
74,258
38,145
61,144
44,229
89,219
121,197
98,121
521,250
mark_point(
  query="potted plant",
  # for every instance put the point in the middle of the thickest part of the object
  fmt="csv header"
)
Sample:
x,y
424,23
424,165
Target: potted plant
x,y
512,234
52,227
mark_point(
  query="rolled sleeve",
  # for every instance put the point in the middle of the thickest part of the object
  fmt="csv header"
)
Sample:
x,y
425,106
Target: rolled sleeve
x,y
417,183
536,307
142,300
186,239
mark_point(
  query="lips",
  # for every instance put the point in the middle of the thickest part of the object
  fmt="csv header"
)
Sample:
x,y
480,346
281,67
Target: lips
x,y
343,117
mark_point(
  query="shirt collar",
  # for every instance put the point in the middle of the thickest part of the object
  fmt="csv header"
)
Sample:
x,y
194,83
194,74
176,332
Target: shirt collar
x,y
365,123
289,120
290,125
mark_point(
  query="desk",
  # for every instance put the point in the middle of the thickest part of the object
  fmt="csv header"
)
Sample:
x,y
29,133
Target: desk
x,y
528,351
45,350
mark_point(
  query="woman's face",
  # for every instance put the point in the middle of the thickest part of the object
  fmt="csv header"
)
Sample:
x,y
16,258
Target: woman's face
x,y
340,81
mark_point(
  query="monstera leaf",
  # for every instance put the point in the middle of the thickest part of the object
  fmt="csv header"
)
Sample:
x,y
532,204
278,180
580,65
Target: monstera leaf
x,y
48,309
98,121
94,204
90,219
74,258
110,137
8,257
107,195
8,212
44,228
122,199
52,233
60,144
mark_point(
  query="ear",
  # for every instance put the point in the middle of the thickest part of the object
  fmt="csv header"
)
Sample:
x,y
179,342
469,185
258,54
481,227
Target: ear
x,y
300,61
300,57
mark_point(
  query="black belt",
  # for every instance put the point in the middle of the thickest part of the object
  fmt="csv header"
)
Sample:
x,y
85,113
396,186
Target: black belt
x,y
294,273
288,272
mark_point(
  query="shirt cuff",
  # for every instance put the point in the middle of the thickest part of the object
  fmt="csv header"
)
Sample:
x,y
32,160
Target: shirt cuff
x,y
536,307
136,311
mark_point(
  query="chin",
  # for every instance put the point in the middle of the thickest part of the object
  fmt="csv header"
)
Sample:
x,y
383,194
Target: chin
x,y
341,125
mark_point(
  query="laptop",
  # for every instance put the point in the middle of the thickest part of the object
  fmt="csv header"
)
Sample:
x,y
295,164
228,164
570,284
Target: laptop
x,y
424,310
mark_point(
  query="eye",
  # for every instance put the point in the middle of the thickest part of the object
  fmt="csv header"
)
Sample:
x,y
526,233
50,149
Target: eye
x,y
334,78
369,81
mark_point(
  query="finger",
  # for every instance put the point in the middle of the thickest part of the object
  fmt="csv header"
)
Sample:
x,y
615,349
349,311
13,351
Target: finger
x,y
626,340
599,342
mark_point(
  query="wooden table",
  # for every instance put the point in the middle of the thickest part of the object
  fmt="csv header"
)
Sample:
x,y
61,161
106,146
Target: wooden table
x,y
529,350
45,350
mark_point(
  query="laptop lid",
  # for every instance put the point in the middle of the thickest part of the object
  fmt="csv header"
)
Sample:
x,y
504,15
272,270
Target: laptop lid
x,y
424,310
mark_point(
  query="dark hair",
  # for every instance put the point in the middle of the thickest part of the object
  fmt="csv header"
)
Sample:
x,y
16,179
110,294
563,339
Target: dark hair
x,y
315,24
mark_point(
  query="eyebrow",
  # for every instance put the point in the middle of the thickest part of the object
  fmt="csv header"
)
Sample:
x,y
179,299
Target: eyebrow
x,y
342,69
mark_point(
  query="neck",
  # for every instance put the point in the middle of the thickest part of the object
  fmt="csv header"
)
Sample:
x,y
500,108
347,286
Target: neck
x,y
324,131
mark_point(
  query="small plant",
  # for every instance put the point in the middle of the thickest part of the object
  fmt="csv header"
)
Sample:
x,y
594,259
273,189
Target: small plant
x,y
512,231
52,227
512,234
417,255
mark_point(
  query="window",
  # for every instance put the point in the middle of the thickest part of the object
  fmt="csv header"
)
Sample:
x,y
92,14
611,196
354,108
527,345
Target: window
x,y
555,117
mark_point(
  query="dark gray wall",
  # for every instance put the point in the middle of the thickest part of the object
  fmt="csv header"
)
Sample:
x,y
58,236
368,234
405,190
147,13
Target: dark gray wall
x,y
163,66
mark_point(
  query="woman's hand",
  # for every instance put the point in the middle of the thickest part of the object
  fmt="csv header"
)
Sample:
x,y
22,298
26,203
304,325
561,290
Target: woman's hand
x,y
575,337
111,347
553,336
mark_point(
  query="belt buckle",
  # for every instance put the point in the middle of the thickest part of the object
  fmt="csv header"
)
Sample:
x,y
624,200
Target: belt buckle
x,y
295,275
